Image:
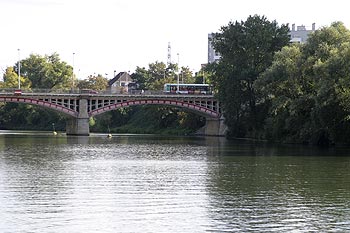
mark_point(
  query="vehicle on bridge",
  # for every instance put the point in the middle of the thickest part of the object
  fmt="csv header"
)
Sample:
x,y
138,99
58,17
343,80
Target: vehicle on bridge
x,y
18,92
88,91
183,88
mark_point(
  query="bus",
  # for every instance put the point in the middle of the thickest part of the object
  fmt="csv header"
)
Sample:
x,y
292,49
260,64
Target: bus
x,y
205,89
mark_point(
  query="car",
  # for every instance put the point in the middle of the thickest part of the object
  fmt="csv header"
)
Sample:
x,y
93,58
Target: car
x,y
18,92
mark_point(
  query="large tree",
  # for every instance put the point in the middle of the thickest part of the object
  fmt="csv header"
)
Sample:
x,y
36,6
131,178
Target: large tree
x,y
246,50
36,72
47,72
308,86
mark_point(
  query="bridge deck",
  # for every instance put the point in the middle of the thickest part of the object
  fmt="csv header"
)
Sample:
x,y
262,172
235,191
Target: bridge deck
x,y
97,103
79,107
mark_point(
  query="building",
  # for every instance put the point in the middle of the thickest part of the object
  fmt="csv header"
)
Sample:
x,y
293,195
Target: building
x,y
301,34
120,83
213,56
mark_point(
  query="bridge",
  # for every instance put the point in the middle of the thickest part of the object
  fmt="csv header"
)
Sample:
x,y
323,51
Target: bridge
x,y
79,106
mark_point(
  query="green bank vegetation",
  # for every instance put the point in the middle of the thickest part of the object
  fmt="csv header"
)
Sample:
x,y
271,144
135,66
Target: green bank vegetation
x,y
273,90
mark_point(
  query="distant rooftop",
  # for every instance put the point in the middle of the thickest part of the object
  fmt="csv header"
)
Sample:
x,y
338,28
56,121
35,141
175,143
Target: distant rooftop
x,y
301,33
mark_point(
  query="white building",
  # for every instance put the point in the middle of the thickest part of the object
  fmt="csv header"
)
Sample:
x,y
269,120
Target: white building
x,y
120,83
213,56
301,34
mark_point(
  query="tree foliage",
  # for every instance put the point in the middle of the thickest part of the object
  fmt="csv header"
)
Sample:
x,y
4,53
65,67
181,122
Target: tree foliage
x,y
307,87
11,79
37,71
246,50
159,73
47,72
98,83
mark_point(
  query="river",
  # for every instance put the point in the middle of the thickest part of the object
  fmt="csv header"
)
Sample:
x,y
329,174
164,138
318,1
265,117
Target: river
x,y
147,183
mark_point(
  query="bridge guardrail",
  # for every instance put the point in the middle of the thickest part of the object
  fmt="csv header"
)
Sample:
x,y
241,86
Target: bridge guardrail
x,y
55,91
89,92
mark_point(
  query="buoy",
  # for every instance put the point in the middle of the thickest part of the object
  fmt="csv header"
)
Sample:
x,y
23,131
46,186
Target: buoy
x,y
109,133
54,130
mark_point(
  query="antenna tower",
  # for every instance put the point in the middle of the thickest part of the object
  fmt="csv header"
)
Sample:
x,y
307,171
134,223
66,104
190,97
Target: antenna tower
x,y
169,54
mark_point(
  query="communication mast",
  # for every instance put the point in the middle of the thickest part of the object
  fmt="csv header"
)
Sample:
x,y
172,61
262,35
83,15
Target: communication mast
x,y
169,54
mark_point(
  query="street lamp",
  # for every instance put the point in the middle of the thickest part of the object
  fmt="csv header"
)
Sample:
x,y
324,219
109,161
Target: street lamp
x,y
178,72
203,77
19,70
73,73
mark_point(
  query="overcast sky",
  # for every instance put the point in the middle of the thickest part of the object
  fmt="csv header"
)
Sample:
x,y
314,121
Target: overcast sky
x,y
108,35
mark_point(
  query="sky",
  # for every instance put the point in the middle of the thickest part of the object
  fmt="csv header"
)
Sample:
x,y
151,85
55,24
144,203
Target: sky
x,y
103,36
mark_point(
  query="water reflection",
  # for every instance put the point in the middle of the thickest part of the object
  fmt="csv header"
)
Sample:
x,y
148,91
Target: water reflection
x,y
145,183
285,193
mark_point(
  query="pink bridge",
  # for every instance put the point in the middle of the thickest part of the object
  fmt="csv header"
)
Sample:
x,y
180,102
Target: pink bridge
x,y
79,107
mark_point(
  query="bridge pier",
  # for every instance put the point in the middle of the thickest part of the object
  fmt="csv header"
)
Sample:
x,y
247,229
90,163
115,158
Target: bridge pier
x,y
79,126
213,127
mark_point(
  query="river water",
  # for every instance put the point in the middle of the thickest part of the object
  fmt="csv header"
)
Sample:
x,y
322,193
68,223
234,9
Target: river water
x,y
145,183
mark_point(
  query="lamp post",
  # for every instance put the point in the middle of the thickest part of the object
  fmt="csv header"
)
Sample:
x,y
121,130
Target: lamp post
x,y
19,70
203,78
178,73
73,73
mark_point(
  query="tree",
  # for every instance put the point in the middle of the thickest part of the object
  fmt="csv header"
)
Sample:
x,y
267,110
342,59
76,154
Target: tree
x,y
186,75
36,72
203,76
246,49
141,77
155,76
97,83
307,86
47,72
285,90
11,79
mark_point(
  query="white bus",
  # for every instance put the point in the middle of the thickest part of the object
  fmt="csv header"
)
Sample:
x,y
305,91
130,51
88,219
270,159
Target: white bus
x,y
205,89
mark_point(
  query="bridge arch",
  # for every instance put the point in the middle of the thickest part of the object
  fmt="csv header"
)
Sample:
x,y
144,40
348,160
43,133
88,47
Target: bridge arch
x,y
200,110
54,106
79,107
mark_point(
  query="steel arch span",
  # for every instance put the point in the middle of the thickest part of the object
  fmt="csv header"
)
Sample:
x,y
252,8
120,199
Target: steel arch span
x,y
201,110
39,102
80,106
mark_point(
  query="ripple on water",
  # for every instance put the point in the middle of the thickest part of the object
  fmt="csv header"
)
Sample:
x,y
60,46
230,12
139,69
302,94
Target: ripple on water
x,y
117,186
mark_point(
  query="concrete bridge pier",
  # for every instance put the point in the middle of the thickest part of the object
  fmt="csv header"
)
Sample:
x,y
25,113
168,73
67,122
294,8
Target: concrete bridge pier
x,y
79,126
214,127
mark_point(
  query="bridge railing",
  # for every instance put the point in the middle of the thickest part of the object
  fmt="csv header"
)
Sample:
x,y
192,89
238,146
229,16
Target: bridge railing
x,y
85,91
56,91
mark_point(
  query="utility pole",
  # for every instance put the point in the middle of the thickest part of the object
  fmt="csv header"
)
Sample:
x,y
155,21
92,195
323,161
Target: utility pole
x,y
19,70
169,54
178,72
73,73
